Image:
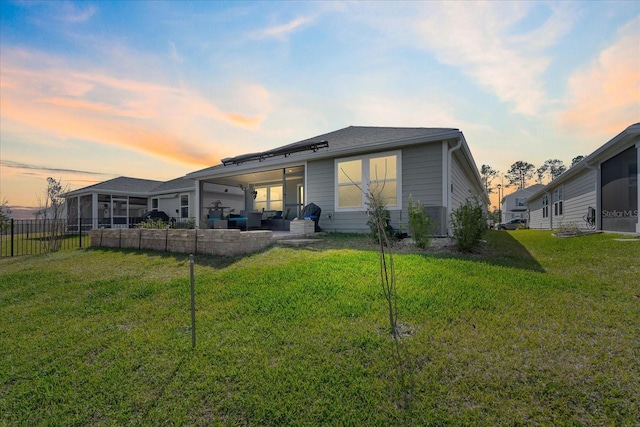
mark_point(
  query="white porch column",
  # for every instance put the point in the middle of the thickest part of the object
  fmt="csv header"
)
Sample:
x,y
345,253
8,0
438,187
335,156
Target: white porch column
x,y
94,210
79,215
197,203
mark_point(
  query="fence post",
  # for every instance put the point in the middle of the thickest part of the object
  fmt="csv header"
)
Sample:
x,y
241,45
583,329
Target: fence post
x,y
11,236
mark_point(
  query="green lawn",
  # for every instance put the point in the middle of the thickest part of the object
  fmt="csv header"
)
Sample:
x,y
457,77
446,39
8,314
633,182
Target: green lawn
x,y
532,330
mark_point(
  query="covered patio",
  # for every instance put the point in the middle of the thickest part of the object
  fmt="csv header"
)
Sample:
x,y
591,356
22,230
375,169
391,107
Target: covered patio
x,y
271,199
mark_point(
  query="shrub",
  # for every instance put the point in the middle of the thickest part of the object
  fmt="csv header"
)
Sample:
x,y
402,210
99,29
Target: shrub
x,y
379,218
567,228
420,224
151,223
469,224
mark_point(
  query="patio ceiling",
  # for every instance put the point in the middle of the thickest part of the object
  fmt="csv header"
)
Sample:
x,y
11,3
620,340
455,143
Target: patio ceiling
x,y
247,179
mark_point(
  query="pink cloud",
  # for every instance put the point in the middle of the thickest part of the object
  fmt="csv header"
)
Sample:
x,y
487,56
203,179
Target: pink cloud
x,y
162,120
604,98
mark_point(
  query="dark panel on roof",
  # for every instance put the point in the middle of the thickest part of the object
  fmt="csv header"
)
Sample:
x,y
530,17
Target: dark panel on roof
x,y
282,151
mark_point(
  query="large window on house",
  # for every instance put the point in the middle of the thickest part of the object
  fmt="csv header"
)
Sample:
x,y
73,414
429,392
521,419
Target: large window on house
x,y
520,202
154,204
557,201
268,198
184,206
376,173
545,206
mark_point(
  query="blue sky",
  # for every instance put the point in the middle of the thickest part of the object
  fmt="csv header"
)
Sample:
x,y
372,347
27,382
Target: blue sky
x,y
94,90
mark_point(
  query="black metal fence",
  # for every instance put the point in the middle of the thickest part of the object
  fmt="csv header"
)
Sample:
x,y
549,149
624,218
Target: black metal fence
x,y
30,237
37,236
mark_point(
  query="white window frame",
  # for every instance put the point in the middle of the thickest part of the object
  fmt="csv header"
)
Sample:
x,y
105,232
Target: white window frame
x,y
365,179
155,203
268,201
182,206
545,206
558,199
520,202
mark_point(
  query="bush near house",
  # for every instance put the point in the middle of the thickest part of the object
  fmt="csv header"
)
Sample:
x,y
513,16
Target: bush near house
x,y
532,330
469,224
420,225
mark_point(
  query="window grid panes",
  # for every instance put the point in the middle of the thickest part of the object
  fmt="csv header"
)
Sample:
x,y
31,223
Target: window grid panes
x,y
268,198
377,174
557,201
184,206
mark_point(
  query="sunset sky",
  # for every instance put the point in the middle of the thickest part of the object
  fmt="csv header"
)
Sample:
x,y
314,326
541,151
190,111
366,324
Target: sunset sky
x,y
94,90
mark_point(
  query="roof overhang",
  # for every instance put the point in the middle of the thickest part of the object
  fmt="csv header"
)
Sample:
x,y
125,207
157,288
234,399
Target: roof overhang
x,y
300,158
111,192
615,146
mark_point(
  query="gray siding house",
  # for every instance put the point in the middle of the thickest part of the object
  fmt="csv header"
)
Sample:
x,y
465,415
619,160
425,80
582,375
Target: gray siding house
x,y
601,192
120,202
514,205
430,165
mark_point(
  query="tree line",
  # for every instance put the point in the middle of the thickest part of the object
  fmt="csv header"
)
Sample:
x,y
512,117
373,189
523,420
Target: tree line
x,y
521,173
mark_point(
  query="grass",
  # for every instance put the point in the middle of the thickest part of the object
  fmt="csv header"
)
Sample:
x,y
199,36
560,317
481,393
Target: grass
x,y
532,330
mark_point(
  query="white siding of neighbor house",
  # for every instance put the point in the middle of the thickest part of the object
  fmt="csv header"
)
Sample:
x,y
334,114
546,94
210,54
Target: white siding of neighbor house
x,y
535,214
421,172
579,194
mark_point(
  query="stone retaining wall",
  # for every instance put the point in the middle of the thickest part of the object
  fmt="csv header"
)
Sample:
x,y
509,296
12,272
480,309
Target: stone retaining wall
x,y
205,241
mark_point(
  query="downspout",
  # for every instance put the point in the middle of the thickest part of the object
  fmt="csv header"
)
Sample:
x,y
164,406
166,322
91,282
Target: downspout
x,y
449,183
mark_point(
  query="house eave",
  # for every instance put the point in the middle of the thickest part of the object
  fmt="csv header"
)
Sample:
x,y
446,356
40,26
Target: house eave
x,y
220,171
616,145
79,193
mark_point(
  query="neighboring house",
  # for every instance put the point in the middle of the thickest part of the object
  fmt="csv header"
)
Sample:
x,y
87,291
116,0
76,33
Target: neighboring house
x,y
430,165
514,205
120,202
604,186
